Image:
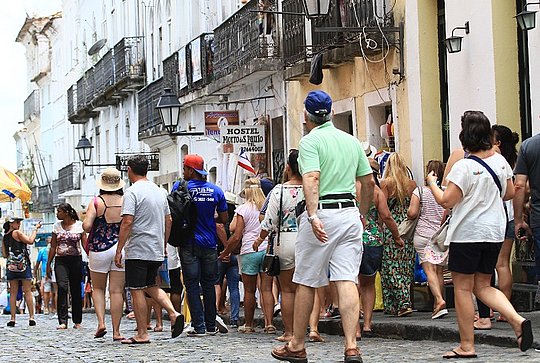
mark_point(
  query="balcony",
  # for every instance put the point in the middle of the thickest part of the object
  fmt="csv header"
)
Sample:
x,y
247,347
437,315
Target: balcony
x,y
337,47
119,73
149,120
31,106
68,178
245,48
42,197
170,73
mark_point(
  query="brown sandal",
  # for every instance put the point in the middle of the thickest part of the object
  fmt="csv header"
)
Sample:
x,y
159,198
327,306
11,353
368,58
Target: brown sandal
x,y
284,353
270,329
284,339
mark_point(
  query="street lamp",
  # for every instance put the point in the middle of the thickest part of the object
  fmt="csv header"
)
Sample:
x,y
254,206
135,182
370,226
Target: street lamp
x,y
84,148
527,19
453,44
168,107
316,8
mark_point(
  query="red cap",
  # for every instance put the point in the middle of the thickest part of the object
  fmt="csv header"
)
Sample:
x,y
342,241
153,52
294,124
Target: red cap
x,y
196,162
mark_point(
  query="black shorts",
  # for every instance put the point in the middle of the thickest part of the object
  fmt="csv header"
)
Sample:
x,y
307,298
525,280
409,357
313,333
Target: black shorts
x,y
141,274
371,260
468,258
176,282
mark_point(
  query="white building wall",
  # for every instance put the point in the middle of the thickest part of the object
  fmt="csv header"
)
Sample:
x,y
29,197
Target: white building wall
x,y
471,72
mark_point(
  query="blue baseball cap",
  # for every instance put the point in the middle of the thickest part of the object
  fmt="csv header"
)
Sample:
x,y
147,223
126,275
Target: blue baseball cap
x,y
318,103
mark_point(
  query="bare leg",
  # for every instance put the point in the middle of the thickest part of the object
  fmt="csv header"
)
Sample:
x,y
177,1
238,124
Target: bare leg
x,y
367,288
349,308
99,282
496,300
267,298
116,291
288,290
28,298
140,309
315,314
303,305
463,287
434,285
159,316
163,300
250,285
13,290
503,270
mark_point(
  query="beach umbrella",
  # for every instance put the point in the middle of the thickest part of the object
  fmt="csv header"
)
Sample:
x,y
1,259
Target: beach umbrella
x,y
13,187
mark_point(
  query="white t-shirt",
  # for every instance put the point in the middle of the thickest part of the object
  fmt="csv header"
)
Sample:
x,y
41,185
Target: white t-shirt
x,y
173,260
479,216
252,228
147,203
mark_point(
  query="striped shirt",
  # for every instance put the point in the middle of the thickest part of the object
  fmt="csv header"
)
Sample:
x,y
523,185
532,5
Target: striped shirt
x,y
431,214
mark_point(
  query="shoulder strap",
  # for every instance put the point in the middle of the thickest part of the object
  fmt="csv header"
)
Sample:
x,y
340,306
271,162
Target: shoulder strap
x,y
493,175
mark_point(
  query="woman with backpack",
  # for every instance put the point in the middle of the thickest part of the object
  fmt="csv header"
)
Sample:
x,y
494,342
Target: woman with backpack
x,y
103,219
18,266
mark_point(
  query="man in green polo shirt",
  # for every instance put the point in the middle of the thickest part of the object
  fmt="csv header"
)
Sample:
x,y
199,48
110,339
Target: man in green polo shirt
x,y
336,177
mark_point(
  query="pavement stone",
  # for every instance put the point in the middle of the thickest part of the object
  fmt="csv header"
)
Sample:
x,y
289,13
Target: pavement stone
x,y
44,343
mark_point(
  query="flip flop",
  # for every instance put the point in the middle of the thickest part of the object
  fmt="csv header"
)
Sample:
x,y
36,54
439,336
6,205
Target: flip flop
x,y
118,339
158,330
178,326
457,355
31,322
100,333
367,333
11,323
440,314
315,337
134,341
477,328
526,336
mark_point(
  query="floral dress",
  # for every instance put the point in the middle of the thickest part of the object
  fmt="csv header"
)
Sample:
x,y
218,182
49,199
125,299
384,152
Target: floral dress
x,y
397,264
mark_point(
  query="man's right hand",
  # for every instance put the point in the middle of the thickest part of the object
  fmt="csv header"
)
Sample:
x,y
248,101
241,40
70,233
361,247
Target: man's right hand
x,y
522,226
48,271
318,230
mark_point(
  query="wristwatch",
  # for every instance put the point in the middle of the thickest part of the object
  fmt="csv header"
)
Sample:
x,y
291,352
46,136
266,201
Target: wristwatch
x,y
310,219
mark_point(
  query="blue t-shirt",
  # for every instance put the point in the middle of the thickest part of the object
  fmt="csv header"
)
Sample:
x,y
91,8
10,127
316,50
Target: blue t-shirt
x,y
43,256
208,198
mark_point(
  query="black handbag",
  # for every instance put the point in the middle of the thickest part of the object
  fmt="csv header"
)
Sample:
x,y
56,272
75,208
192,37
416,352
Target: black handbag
x,y
271,265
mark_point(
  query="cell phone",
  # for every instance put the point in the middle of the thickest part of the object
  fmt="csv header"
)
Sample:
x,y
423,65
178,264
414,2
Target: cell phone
x,y
521,232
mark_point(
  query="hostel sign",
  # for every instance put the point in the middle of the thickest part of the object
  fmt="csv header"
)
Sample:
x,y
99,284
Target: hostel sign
x,y
249,138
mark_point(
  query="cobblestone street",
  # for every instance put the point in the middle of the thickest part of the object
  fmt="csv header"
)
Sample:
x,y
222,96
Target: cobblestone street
x,y
45,343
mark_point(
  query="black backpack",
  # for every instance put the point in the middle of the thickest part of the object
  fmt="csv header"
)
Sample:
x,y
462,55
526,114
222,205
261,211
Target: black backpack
x,y
183,214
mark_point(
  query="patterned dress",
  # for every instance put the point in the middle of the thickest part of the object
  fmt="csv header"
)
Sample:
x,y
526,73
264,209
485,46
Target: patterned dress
x,y
397,265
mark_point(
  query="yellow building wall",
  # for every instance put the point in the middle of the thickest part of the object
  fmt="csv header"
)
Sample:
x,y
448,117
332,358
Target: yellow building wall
x,y
429,80
505,51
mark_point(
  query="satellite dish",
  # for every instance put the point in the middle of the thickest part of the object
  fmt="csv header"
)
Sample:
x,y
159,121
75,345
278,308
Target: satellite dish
x,y
96,47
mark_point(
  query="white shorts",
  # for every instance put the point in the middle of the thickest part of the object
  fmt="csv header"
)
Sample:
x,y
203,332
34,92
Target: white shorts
x,y
420,244
337,259
285,250
103,262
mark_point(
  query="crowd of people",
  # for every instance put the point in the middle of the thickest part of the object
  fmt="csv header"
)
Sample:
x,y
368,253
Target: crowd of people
x,y
332,222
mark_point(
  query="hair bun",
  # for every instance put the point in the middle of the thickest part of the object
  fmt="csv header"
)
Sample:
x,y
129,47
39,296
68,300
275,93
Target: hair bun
x,y
515,137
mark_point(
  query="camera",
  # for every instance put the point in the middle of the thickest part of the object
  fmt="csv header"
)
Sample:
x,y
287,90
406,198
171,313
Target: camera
x,y
521,233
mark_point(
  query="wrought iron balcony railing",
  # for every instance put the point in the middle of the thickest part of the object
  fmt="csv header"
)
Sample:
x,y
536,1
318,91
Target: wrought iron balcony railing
x,y
148,98
72,102
129,60
170,73
245,37
42,197
342,14
31,106
68,178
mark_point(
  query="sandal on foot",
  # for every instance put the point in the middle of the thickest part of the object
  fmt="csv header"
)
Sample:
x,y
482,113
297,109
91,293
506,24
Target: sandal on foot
x,y
100,333
284,353
315,337
178,326
404,312
441,313
134,341
61,327
353,355
246,329
270,329
158,329
455,355
526,336
118,339
11,323
367,333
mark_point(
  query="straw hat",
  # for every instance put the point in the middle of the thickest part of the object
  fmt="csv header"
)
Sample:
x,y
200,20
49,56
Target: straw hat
x,y
230,198
110,180
369,149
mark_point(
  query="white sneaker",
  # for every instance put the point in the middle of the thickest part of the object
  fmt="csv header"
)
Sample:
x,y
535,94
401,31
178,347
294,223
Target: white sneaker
x,y
220,325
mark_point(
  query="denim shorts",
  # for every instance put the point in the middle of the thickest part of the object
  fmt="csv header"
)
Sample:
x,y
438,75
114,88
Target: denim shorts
x,y
141,274
251,263
371,260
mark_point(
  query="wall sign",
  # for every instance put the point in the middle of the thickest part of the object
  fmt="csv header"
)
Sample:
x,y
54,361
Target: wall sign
x,y
153,161
182,71
249,138
214,120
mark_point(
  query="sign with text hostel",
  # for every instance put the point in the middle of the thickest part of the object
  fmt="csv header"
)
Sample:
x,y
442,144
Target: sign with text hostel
x,y
249,138
214,120
122,160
